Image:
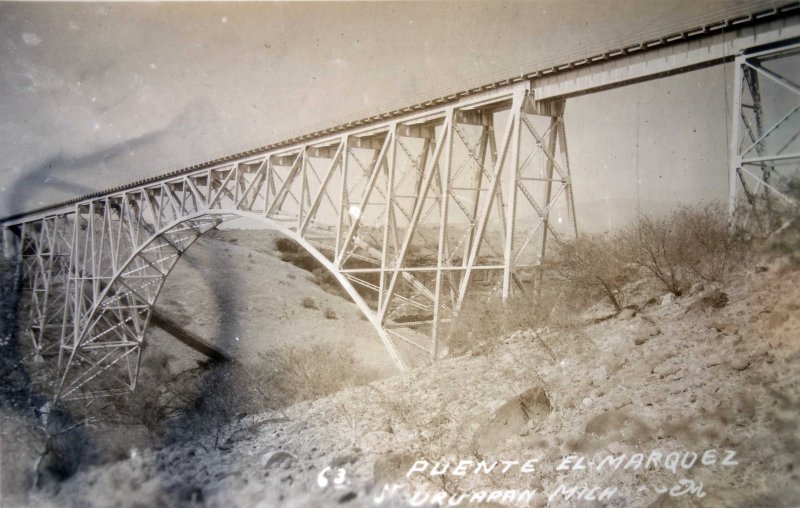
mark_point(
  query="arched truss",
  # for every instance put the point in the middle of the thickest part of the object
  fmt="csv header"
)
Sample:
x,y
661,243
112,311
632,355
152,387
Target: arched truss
x,y
412,216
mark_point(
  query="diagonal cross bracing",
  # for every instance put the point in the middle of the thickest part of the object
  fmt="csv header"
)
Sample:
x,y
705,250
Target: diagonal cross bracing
x,y
372,224
95,265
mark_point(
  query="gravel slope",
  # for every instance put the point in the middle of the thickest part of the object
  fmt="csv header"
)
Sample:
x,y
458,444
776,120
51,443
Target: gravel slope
x,y
687,376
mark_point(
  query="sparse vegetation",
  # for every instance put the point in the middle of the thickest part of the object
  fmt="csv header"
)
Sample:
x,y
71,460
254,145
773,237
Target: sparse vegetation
x,y
295,373
690,245
592,265
224,392
786,218
309,303
287,246
481,323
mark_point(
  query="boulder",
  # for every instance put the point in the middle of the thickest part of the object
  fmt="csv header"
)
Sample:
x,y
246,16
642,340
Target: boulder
x,y
713,300
276,458
739,363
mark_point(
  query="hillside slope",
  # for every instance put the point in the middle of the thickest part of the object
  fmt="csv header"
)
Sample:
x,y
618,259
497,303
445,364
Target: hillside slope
x,y
232,289
701,374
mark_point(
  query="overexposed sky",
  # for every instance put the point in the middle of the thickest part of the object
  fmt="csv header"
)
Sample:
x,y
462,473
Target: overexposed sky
x,y
96,95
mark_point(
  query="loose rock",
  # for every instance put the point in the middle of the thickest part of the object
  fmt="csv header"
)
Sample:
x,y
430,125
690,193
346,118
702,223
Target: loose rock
x,y
740,364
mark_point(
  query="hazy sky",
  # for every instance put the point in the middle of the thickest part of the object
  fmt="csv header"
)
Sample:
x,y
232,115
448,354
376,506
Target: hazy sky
x,y
94,95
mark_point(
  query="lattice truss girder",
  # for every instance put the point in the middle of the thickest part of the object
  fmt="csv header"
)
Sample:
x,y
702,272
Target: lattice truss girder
x,y
765,136
44,251
412,216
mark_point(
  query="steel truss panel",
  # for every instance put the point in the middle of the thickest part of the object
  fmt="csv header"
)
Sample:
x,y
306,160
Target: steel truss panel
x,y
765,136
407,211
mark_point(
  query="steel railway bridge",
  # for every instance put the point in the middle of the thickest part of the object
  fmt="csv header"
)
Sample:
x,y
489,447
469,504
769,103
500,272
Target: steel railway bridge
x,y
424,206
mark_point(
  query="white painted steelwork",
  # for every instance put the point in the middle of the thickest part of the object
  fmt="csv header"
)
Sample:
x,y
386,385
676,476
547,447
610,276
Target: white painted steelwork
x,y
409,209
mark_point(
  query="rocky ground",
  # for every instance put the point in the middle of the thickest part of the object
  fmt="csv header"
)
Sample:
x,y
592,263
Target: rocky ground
x,y
689,401
232,289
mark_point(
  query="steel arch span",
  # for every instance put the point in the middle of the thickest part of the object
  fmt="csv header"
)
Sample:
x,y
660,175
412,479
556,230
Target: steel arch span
x,y
414,211
419,212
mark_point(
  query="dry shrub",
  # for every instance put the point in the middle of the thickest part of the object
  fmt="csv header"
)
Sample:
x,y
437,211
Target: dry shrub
x,y
309,303
302,260
690,245
653,244
712,248
293,253
592,265
292,374
287,246
477,327
328,283
206,406
785,238
482,322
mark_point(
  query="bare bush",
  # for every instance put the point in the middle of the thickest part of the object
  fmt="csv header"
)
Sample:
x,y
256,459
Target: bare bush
x,y
477,326
309,303
287,245
786,238
302,260
223,392
654,245
592,265
291,374
481,323
330,313
692,244
713,247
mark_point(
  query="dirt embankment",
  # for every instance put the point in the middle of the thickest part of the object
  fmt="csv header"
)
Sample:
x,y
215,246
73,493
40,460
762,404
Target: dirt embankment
x,y
697,394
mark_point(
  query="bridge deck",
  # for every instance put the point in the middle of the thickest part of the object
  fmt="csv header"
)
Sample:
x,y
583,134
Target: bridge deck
x,y
714,39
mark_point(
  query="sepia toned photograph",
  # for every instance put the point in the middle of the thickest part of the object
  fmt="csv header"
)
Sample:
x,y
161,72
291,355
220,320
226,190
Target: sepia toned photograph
x,y
488,254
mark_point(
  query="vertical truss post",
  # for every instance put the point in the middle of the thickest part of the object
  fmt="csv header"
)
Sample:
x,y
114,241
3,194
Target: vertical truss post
x,y
388,225
511,211
487,132
550,151
734,168
444,187
751,78
337,247
70,305
562,136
